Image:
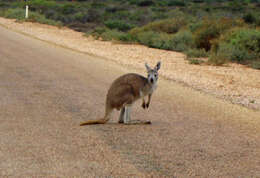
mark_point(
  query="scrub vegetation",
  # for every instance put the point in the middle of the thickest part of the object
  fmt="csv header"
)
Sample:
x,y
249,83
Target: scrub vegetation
x,y
222,31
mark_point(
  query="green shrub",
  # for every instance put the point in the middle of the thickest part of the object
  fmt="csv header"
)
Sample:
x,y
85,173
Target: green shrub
x,y
145,3
195,61
82,27
115,35
122,15
175,3
97,5
150,39
255,65
118,24
236,6
159,15
211,29
139,18
108,34
217,59
94,16
36,17
167,26
2,12
181,41
194,26
18,14
249,18
68,8
240,45
4,5
42,5
81,17
99,30
136,15
196,53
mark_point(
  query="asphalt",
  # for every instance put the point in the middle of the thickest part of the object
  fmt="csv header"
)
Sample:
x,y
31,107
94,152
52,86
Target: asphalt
x,y
46,91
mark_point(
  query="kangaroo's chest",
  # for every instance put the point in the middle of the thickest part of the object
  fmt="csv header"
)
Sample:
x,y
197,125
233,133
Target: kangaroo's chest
x,y
147,90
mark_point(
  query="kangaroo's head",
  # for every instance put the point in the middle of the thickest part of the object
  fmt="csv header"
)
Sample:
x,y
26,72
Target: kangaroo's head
x,y
152,73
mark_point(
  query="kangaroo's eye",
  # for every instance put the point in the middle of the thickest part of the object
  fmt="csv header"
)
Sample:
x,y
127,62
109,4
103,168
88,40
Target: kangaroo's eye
x,y
155,75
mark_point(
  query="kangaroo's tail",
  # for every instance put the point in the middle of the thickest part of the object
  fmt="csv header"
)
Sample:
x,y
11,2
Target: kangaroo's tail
x,y
100,121
91,122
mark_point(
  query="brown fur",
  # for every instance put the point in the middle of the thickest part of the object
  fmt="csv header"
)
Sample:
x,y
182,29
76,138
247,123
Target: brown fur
x,y
124,90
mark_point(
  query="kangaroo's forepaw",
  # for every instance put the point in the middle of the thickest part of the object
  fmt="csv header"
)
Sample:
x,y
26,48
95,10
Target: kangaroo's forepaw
x,y
144,105
147,105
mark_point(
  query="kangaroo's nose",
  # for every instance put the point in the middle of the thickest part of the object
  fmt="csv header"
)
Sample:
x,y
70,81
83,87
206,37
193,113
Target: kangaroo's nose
x,y
151,80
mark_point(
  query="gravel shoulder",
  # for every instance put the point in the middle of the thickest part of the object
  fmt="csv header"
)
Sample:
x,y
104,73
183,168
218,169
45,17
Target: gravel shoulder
x,y
236,83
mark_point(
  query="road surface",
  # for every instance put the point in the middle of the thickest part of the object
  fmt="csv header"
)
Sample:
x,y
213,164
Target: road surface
x,y
46,91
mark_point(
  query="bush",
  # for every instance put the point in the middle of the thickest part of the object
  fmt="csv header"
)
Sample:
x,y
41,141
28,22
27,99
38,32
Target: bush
x,y
167,26
97,5
241,45
94,15
118,24
249,18
196,53
4,5
81,17
217,59
68,9
82,27
256,65
181,41
42,5
36,17
195,61
152,39
2,12
122,15
107,34
145,3
18,14
175,3
211,29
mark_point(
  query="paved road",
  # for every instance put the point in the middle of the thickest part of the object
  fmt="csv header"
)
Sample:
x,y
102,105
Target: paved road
x,y
46,91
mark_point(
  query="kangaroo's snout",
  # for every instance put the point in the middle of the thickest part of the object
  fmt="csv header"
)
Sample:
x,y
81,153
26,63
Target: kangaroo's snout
x,y
151,80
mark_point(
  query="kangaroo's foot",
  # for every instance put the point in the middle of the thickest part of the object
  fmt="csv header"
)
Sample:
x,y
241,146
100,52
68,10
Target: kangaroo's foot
x,y
135,122
122,115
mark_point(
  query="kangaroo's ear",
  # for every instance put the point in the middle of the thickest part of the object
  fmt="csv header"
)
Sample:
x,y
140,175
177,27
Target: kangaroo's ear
x,y
158,66
147,67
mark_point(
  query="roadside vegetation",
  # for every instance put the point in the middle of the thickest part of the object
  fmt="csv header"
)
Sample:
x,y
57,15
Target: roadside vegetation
x,y
222,31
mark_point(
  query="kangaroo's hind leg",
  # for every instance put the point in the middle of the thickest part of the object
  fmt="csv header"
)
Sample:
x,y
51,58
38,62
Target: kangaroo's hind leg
x,y
122,115
128,120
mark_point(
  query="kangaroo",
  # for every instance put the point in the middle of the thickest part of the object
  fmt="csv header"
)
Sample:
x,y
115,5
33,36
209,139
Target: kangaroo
x,y
124,91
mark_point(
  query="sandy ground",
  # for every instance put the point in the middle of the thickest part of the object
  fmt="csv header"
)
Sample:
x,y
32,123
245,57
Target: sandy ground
x,y
46,91
236,83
